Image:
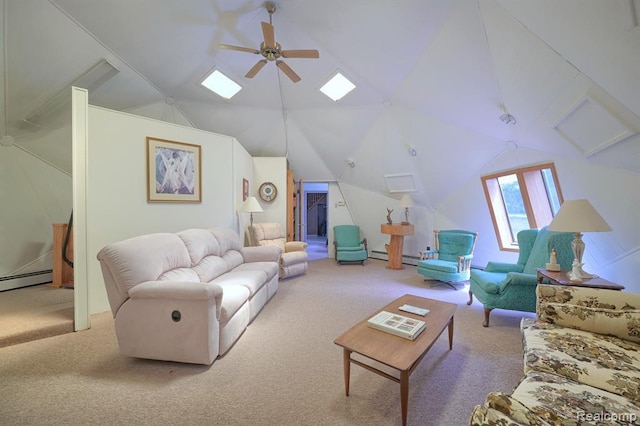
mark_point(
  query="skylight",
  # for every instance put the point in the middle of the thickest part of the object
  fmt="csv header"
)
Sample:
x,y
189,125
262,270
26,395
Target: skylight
x,y
337,87
220,84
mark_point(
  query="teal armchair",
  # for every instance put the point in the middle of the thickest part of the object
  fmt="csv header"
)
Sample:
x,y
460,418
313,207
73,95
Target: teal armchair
x,y
349,246
512,286
450,262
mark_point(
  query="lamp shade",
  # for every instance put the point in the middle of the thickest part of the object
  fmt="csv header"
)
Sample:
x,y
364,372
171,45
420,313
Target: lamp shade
x,y
406,201
578,216
251,205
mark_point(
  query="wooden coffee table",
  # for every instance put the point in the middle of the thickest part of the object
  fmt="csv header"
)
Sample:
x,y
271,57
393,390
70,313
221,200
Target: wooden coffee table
x,y
393,351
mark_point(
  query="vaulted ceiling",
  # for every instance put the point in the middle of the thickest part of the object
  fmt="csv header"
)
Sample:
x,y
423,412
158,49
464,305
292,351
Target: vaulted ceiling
x,y
431,75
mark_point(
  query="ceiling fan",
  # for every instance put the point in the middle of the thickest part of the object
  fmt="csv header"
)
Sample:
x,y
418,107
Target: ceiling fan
x,y
272,51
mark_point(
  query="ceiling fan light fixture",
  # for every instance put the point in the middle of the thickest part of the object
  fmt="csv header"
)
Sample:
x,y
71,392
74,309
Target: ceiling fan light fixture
x,y
337,87
221,85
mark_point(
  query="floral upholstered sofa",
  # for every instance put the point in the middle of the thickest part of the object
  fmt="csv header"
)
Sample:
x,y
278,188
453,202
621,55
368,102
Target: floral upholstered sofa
x,y
581,362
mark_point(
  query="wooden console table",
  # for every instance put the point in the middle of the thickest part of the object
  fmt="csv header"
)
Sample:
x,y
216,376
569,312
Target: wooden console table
x,y
562,278
394,248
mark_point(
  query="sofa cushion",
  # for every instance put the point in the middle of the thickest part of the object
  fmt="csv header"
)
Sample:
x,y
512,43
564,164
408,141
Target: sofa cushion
x,y
200,243
270,269
233,298
559,400
252,280
180,274
451,245
605,362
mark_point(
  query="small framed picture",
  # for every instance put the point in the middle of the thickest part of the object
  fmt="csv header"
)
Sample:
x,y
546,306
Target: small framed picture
x,y
245,189
173,172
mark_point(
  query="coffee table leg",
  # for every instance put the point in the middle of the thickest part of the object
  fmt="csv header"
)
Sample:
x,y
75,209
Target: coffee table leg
x,y
347,369
404,394
451,334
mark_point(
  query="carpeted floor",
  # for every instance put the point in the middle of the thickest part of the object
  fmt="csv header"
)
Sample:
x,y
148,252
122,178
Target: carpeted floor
x,y
35,312
284,370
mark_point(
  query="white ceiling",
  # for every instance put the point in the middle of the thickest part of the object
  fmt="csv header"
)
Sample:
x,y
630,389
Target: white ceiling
x,y
433,75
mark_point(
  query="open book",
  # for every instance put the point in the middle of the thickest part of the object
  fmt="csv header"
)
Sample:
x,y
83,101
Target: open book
x,y
399,325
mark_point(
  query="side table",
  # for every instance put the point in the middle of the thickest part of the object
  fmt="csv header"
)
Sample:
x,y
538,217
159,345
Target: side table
x,y
562,278
394,248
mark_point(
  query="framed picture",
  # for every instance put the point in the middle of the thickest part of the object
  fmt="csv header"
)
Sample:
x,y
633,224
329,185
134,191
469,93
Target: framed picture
x,y
173,172
245,189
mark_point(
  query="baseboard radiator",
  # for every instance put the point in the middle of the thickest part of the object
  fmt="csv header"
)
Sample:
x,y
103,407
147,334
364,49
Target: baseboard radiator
x,y
406,259
26,280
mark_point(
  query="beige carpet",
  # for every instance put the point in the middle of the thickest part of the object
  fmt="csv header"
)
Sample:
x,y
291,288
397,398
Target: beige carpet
x,y
35,312
284,370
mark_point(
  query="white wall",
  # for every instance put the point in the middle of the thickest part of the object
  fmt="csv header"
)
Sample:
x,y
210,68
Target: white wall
x,y
274,170
117,206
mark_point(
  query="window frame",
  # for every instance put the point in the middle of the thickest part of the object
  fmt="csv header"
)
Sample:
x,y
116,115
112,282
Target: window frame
x,y
538,207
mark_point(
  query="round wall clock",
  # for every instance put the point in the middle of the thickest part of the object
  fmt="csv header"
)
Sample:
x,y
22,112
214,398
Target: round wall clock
x,y
268,192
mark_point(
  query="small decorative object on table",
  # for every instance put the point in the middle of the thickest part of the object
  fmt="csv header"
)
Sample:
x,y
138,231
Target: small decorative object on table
x,y
389,221
553,264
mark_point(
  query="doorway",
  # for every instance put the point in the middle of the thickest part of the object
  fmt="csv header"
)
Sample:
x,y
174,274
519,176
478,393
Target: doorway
x,y
316,223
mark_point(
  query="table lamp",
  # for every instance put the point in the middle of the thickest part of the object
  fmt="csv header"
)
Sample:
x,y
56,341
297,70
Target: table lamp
x,y
406,202
251,206
578,216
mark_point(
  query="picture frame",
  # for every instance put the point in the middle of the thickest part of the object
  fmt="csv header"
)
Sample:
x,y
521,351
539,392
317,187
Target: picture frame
x,y
245,189
173,172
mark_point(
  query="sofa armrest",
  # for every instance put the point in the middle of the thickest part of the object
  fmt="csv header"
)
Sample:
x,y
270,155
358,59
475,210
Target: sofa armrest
x,y
464,262
500,408
503,267
518,278
178,290
295,246
428,254
261,254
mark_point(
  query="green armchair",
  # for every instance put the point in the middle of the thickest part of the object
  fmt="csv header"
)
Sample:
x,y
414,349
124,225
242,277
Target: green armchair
x,y
450,262
512,286
349,246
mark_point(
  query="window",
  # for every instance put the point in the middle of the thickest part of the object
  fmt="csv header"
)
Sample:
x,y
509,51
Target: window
x,y
520,199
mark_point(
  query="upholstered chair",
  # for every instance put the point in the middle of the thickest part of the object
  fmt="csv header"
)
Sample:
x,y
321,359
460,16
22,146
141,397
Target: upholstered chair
x,y
294,259
450,261
512,286
349,246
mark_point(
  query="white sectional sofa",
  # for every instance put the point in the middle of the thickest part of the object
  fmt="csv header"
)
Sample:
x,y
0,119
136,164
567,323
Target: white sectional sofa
x,y
186,296
581,362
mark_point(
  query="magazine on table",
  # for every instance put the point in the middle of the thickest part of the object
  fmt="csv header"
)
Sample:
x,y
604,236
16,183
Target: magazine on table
x,y
397,324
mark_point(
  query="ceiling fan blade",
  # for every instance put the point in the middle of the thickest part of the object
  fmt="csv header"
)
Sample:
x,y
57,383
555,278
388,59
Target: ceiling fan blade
x,y
257,67
269,36
300,54
288,71
242,49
